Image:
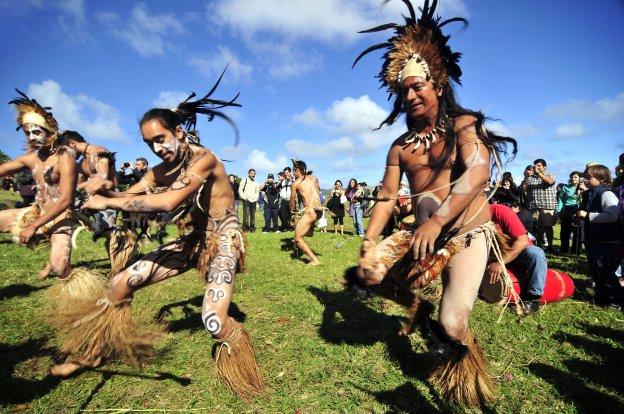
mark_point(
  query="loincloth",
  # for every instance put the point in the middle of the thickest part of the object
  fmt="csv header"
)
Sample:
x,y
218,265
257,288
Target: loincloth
x,y
316,210
222,237
407,273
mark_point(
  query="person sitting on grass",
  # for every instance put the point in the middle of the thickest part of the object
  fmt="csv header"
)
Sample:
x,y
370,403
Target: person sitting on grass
x,y
520,252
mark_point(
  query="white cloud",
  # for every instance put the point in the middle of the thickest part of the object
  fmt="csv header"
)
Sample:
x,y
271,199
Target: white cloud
x,y
356,115
275,29
575,130
305,148
325,20
259,160
309,117
514,130
85,114
169,99
353,118
605,109
146,33
214,64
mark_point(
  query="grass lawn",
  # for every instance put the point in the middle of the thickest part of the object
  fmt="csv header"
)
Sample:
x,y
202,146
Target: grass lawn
x,y
321,349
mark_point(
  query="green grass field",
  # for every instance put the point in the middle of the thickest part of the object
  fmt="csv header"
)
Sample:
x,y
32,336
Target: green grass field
x,y
321,349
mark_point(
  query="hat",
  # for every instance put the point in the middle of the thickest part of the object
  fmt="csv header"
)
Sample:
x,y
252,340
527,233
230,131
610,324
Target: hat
x,y
270,176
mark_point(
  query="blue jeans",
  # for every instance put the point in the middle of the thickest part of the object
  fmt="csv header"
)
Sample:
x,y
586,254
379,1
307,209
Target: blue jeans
x,y
533,259
358,219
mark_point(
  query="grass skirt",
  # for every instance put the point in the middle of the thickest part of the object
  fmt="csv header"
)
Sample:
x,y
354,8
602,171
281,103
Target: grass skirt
x,y
236,363
464,380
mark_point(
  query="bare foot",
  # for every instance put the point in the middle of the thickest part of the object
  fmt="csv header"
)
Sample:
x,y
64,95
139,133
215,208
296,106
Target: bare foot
x,y
69,368
46,271
314,263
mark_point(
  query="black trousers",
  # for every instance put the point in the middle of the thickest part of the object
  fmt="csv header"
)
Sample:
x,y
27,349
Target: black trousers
x,y
270,217
249,215
284,215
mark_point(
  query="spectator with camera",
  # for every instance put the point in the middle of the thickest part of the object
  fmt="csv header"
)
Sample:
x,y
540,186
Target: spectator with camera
x,y
271,207
541,196
599,213
141,167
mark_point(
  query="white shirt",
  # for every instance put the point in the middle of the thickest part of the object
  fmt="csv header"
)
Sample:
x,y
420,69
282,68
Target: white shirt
x,y
249,190
285,190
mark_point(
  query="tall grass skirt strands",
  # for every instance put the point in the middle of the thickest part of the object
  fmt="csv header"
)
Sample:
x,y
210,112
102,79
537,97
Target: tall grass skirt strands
x,y
236,363
122,246
464,379
92,328
81,284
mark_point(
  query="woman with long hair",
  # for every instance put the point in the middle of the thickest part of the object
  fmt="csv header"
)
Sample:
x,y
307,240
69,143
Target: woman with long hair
x,y
567,205
354,195
336,206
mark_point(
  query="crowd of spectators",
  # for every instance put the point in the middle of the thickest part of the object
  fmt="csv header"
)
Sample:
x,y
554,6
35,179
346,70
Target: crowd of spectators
x,y
590,210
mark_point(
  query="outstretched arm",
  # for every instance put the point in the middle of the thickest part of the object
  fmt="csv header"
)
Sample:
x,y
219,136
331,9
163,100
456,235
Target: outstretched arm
x,y
13,166
184,187
475,157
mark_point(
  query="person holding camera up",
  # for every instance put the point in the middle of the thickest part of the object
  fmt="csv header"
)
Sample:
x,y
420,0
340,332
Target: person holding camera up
x,y
271,208
541,195
141,167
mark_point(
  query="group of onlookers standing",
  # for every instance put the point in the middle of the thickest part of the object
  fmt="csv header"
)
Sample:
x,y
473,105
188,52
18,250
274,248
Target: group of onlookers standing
x,y
271,196
590,208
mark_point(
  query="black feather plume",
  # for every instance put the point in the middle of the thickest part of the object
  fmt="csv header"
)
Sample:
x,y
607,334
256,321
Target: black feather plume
x,y
188,110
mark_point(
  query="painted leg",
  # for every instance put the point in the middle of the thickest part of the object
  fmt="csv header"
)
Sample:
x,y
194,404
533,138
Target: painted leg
x,y
101,324
234,353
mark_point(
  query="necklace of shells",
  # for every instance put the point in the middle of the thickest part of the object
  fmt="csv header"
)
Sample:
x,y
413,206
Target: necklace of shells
x,y
426,139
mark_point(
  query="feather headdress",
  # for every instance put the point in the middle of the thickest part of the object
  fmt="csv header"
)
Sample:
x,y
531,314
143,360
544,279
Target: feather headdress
x,y
30,112
418,47
188,111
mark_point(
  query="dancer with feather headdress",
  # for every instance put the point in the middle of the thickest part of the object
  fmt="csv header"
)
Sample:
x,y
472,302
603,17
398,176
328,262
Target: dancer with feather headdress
x,y
446,154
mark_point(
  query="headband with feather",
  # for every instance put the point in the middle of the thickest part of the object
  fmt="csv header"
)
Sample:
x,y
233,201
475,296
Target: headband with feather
x,y
188,110
30,112
417,48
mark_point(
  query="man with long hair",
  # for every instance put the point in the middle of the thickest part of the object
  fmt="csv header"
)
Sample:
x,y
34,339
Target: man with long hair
x,y
445,154
306,187
196,184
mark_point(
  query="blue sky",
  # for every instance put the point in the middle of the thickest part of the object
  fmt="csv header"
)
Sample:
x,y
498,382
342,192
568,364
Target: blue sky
x,y
550,73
